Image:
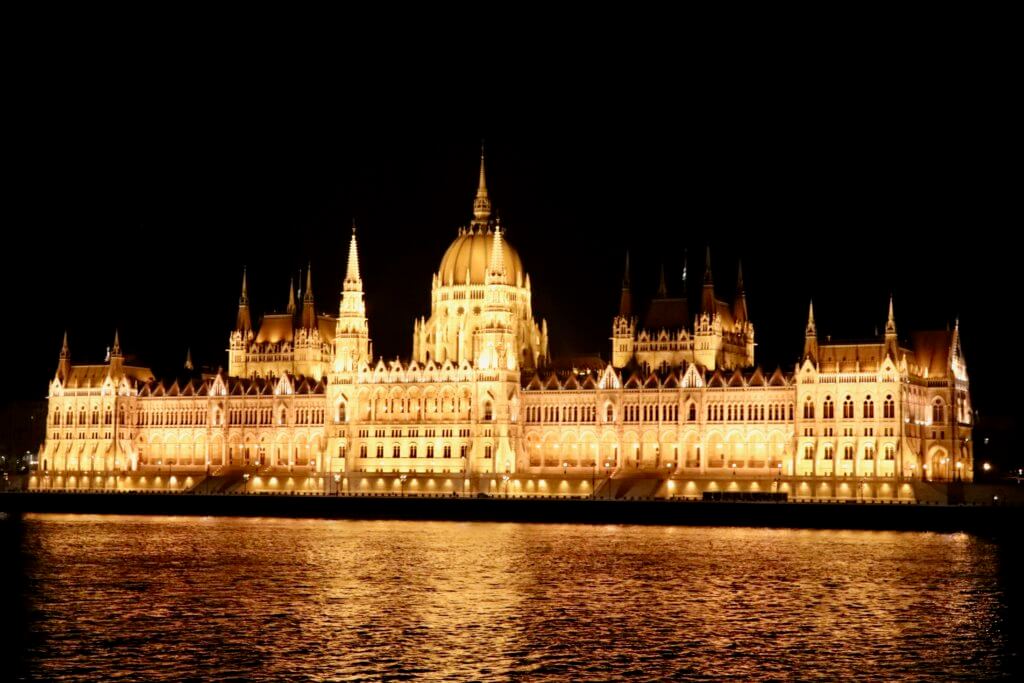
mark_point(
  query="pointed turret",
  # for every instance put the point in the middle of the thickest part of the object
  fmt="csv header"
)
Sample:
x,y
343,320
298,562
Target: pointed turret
x,y
353,281
707,301
64,364
116,358
188,360
810,335
290,308
662,287
891,341
626,302
308,309
352,333
496,266
739,306
243,323
482,203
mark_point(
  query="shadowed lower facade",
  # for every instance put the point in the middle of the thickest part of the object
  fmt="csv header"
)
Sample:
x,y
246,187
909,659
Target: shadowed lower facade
x,y
480,404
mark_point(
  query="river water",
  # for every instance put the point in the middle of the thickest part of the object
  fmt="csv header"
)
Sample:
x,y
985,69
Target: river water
x,y
170,598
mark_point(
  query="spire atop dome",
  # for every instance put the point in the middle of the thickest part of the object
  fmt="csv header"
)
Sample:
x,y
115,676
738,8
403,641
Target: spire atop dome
x,y
482,203
243,322
291,297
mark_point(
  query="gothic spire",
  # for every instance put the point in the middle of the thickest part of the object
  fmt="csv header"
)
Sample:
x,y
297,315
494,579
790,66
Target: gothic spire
x,y
116,350
811,336
291,297
353,281
308,309
626,302
811,329
496,267
188,360
482,203
707,301
890,324
64,364
739,306
244,321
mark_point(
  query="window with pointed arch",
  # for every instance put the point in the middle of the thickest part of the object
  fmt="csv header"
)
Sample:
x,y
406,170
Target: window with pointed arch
x,y
848,408
938,412
342,414
890,452
869,408
829,409
488,411
889,408
692,413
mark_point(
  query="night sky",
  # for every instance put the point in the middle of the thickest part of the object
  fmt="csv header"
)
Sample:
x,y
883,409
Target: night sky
x,y
140,212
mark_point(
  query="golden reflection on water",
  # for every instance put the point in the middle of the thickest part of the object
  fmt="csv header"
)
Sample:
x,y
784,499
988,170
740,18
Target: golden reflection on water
x,y
275,599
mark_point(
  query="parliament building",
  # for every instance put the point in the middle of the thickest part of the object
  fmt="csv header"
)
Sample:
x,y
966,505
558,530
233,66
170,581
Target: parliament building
x,y
681,408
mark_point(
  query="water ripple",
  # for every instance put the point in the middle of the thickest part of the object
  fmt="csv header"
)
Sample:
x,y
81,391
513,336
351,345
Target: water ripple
x,y
133,598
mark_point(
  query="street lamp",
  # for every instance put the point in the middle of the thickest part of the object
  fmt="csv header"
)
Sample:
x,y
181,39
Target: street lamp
x,y
565,468
246,485
337,478
505,479
401,482
608,477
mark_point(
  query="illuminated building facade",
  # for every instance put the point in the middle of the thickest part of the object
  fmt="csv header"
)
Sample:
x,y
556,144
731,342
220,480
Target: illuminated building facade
x,y
682,407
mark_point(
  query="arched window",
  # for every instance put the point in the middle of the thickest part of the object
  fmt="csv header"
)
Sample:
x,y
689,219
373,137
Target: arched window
x,y
938,412
808,452
869,408
890,453
829,410
828,452
342,416
692,415
488,412
56,418
889,408
848,453
848,408
869,453
609,413
282,416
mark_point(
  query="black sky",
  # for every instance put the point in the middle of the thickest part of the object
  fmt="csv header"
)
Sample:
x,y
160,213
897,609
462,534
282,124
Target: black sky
x,y
137,207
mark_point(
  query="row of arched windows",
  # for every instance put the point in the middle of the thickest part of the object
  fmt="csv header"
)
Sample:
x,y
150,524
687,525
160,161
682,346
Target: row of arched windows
x,y
867,410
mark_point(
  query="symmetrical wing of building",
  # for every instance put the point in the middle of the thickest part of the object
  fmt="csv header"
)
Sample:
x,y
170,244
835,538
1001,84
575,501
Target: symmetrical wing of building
x,y
480,402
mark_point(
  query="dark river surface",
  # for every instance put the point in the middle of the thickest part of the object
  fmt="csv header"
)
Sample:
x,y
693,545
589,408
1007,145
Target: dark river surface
x,y
171,598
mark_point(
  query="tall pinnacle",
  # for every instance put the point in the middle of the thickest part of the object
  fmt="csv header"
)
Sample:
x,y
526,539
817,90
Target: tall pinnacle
x,y
308,310
739,306
626,302
496,267
243,322
116,350
353,282
482,203
291,297
811,330
890,325
707,299
64,351
188,359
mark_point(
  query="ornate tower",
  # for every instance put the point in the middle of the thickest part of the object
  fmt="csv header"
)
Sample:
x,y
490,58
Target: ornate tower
x,y
707,329
352,334
811,337
624,324
242,335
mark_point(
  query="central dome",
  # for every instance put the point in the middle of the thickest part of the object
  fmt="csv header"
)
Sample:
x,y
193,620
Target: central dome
x,y
472,250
